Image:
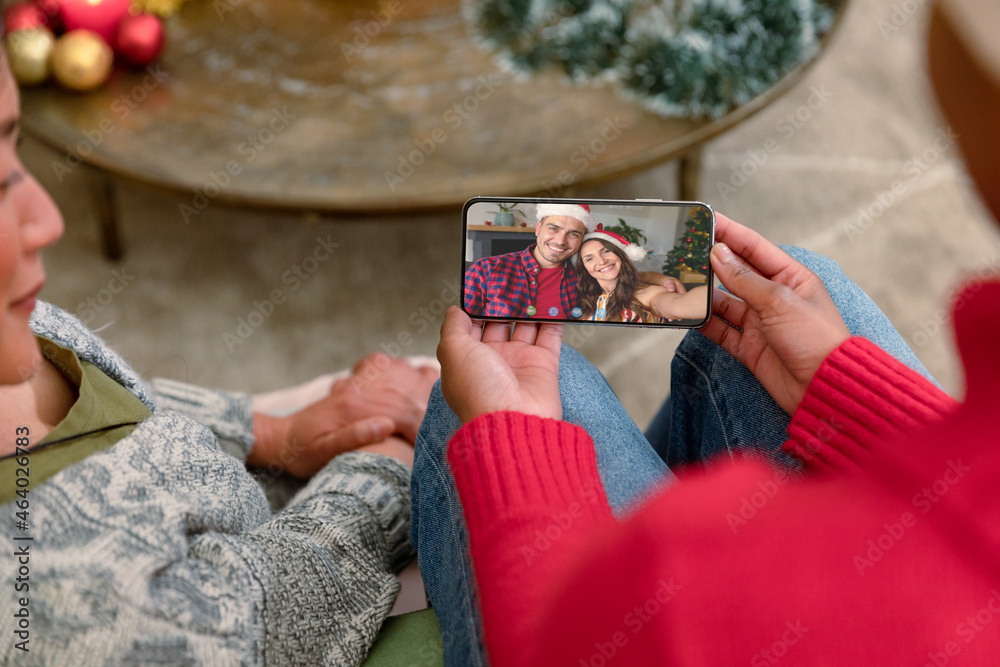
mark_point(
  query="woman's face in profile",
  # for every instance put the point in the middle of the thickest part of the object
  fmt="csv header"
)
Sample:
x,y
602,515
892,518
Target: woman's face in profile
x,y
29,221
600,261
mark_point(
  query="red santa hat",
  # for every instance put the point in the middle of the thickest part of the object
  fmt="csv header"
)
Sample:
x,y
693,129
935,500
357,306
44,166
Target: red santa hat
x,y
633,251
580,212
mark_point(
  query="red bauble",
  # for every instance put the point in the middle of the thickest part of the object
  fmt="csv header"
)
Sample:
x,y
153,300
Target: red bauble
x,y
22,16
100,16
139,39
53,19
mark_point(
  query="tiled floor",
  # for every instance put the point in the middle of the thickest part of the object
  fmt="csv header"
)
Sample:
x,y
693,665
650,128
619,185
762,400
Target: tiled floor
x,y
864,172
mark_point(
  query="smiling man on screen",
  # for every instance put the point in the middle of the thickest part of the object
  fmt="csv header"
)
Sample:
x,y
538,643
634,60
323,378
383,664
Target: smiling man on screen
x,y
537,281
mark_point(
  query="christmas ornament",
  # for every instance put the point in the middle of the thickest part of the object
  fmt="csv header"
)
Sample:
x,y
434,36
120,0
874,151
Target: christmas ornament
x,y
50,8
98,16
689,58
139,39
22,16
28,54
81,60
159,7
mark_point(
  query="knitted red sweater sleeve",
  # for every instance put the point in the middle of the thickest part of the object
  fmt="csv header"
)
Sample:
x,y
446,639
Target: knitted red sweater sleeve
x,y
860,398
532,495
530,491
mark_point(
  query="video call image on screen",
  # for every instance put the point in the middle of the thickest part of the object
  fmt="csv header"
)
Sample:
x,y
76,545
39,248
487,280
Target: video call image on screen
x,y
564,261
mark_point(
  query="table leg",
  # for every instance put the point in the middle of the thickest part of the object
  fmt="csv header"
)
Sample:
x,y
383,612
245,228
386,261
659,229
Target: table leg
x,y
103,192
689,175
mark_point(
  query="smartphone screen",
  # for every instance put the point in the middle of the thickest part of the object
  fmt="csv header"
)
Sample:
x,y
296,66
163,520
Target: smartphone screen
x,y
617,262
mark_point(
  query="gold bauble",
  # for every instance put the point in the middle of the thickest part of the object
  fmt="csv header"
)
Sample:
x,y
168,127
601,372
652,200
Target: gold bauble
x,y
81,60
28,54
161,8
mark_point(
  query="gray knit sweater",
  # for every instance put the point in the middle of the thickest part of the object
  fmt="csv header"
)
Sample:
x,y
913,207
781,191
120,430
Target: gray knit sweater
x,y
162,549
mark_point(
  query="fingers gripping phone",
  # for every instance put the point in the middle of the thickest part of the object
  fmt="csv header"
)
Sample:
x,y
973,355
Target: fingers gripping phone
x,y
615,262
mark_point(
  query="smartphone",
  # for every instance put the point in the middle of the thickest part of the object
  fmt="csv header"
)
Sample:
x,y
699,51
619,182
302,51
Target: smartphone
x,y
619,262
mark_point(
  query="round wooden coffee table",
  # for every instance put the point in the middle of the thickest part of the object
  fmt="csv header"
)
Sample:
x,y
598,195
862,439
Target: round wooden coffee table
x,y
350,106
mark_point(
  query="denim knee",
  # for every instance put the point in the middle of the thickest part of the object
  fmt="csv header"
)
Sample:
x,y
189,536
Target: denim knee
x,y
696,346
572,362
821,265
437,429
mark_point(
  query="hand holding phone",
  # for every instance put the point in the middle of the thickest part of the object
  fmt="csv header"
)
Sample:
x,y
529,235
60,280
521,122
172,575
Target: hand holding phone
x,y
615,262
498,367
782,322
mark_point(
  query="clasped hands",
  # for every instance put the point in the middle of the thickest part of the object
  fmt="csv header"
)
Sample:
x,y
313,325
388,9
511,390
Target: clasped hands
x,y
377,409
777,319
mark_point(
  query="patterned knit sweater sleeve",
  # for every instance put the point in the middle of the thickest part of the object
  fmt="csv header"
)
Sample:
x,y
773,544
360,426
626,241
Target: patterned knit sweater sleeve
x,y
162,549
227,413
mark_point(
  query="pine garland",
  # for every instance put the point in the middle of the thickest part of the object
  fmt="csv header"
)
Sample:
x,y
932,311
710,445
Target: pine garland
x,y
687,58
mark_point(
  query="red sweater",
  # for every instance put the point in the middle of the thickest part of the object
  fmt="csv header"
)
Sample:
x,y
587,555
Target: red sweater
x,y
888,555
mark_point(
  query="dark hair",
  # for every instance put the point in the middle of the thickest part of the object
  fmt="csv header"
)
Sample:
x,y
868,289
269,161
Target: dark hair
x,y
588,289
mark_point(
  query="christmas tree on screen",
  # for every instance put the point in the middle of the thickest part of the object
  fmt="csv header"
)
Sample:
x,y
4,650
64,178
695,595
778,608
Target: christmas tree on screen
x,y
691,252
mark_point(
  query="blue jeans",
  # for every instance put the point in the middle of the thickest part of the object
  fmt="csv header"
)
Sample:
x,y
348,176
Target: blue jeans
x,y
716,407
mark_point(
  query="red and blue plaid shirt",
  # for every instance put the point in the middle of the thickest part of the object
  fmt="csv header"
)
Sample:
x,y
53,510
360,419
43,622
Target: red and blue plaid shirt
x,y
507,285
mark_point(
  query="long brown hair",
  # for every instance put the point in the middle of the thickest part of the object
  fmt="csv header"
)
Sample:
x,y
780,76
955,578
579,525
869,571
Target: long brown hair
x,y
588,289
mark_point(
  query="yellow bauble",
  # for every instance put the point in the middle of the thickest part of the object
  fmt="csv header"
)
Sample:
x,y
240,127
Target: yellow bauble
x,y
159,7
81,60
28,54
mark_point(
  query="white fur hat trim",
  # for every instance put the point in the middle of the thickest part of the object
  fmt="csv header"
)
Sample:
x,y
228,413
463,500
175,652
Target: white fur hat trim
x,y
580,212
633,251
